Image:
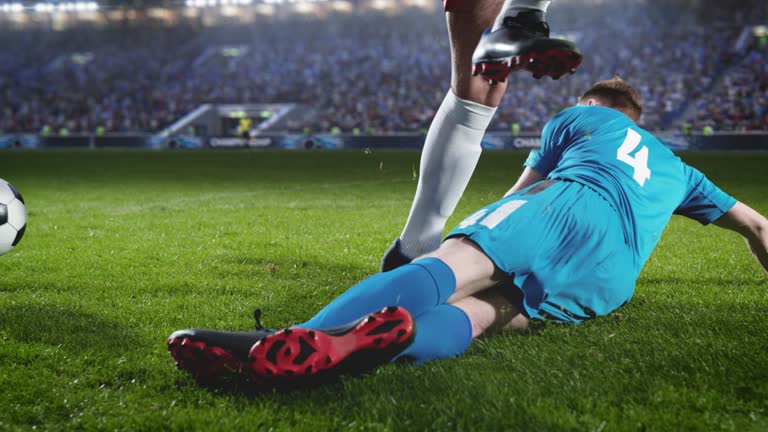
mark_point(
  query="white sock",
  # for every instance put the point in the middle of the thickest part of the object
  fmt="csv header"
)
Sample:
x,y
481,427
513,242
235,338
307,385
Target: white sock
x,y
451,151
512,5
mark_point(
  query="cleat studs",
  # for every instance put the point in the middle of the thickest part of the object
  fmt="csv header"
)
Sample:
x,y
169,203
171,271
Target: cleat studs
x,y
391,309
287,332
312,335
370,319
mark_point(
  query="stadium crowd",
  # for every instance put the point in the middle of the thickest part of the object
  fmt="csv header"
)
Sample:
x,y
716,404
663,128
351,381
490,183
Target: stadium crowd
x,y
357,73
741,102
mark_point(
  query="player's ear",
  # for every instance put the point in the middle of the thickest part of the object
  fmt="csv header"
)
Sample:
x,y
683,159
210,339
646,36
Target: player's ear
x,y
588,101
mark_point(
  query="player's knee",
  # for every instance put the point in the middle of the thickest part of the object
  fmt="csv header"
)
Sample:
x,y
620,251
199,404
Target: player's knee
x,y
480,323
479,90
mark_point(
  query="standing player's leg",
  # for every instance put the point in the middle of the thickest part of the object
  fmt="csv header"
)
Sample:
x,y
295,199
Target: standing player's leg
x,y
452,146
519,40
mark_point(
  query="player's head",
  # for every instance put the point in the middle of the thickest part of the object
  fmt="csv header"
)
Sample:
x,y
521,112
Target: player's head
x,y
614,93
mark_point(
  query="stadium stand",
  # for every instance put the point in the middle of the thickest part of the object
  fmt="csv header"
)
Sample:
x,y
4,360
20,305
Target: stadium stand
x,y
357,73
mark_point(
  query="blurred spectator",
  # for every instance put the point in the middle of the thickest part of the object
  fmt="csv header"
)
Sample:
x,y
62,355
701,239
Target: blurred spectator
x,y
371,73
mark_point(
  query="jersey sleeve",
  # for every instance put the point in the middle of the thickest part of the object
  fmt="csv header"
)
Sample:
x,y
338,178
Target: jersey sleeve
x,y
704,202
553,138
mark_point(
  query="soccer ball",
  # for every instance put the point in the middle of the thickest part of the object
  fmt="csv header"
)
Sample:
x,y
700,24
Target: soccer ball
x,y
13,217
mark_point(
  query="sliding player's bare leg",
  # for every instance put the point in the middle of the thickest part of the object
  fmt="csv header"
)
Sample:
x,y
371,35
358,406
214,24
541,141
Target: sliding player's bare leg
x,y
491,310
367,326
473,270
484,301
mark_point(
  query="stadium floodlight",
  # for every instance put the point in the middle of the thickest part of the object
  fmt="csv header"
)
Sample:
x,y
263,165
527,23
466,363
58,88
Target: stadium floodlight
x,y
12,7
211,3
44,7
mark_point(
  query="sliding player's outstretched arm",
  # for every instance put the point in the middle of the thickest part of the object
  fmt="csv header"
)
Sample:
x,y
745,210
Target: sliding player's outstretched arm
x,y
528,177
542,161
750,224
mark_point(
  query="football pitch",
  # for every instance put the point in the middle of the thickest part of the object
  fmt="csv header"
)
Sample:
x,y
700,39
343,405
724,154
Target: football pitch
x,y
123,248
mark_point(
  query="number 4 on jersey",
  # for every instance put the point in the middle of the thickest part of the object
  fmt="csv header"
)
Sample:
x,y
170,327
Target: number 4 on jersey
x,y
640,161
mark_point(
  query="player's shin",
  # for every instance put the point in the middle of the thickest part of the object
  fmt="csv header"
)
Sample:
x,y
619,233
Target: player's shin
x,y
417,287
451,152
443,332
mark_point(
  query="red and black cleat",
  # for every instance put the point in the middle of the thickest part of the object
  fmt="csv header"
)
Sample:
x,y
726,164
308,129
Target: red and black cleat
x,y
523,43
303,356
212,356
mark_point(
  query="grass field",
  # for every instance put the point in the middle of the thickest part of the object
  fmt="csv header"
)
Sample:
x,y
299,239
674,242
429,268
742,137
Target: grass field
x,y
122,248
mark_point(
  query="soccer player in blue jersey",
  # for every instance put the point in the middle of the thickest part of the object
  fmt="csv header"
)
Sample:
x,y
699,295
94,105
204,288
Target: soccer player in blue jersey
x,y
565,245
519,40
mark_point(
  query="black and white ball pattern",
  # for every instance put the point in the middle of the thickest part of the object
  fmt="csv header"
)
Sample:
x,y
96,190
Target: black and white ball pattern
x,y
13,217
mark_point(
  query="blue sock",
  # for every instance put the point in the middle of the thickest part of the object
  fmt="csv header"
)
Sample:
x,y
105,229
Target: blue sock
x,y
443,332
418,287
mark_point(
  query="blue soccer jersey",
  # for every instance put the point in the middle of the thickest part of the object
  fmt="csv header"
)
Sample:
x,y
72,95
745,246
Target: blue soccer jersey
x,y
640,178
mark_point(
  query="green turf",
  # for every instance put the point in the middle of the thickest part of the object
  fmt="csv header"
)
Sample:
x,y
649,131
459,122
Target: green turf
x,y
123,248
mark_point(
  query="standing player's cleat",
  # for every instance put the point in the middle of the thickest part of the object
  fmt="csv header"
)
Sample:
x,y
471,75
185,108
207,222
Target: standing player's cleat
x,y
394,257
211,356
301,356
523,42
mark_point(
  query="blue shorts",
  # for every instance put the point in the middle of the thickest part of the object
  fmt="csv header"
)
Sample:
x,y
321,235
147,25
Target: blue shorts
x,y
564,246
